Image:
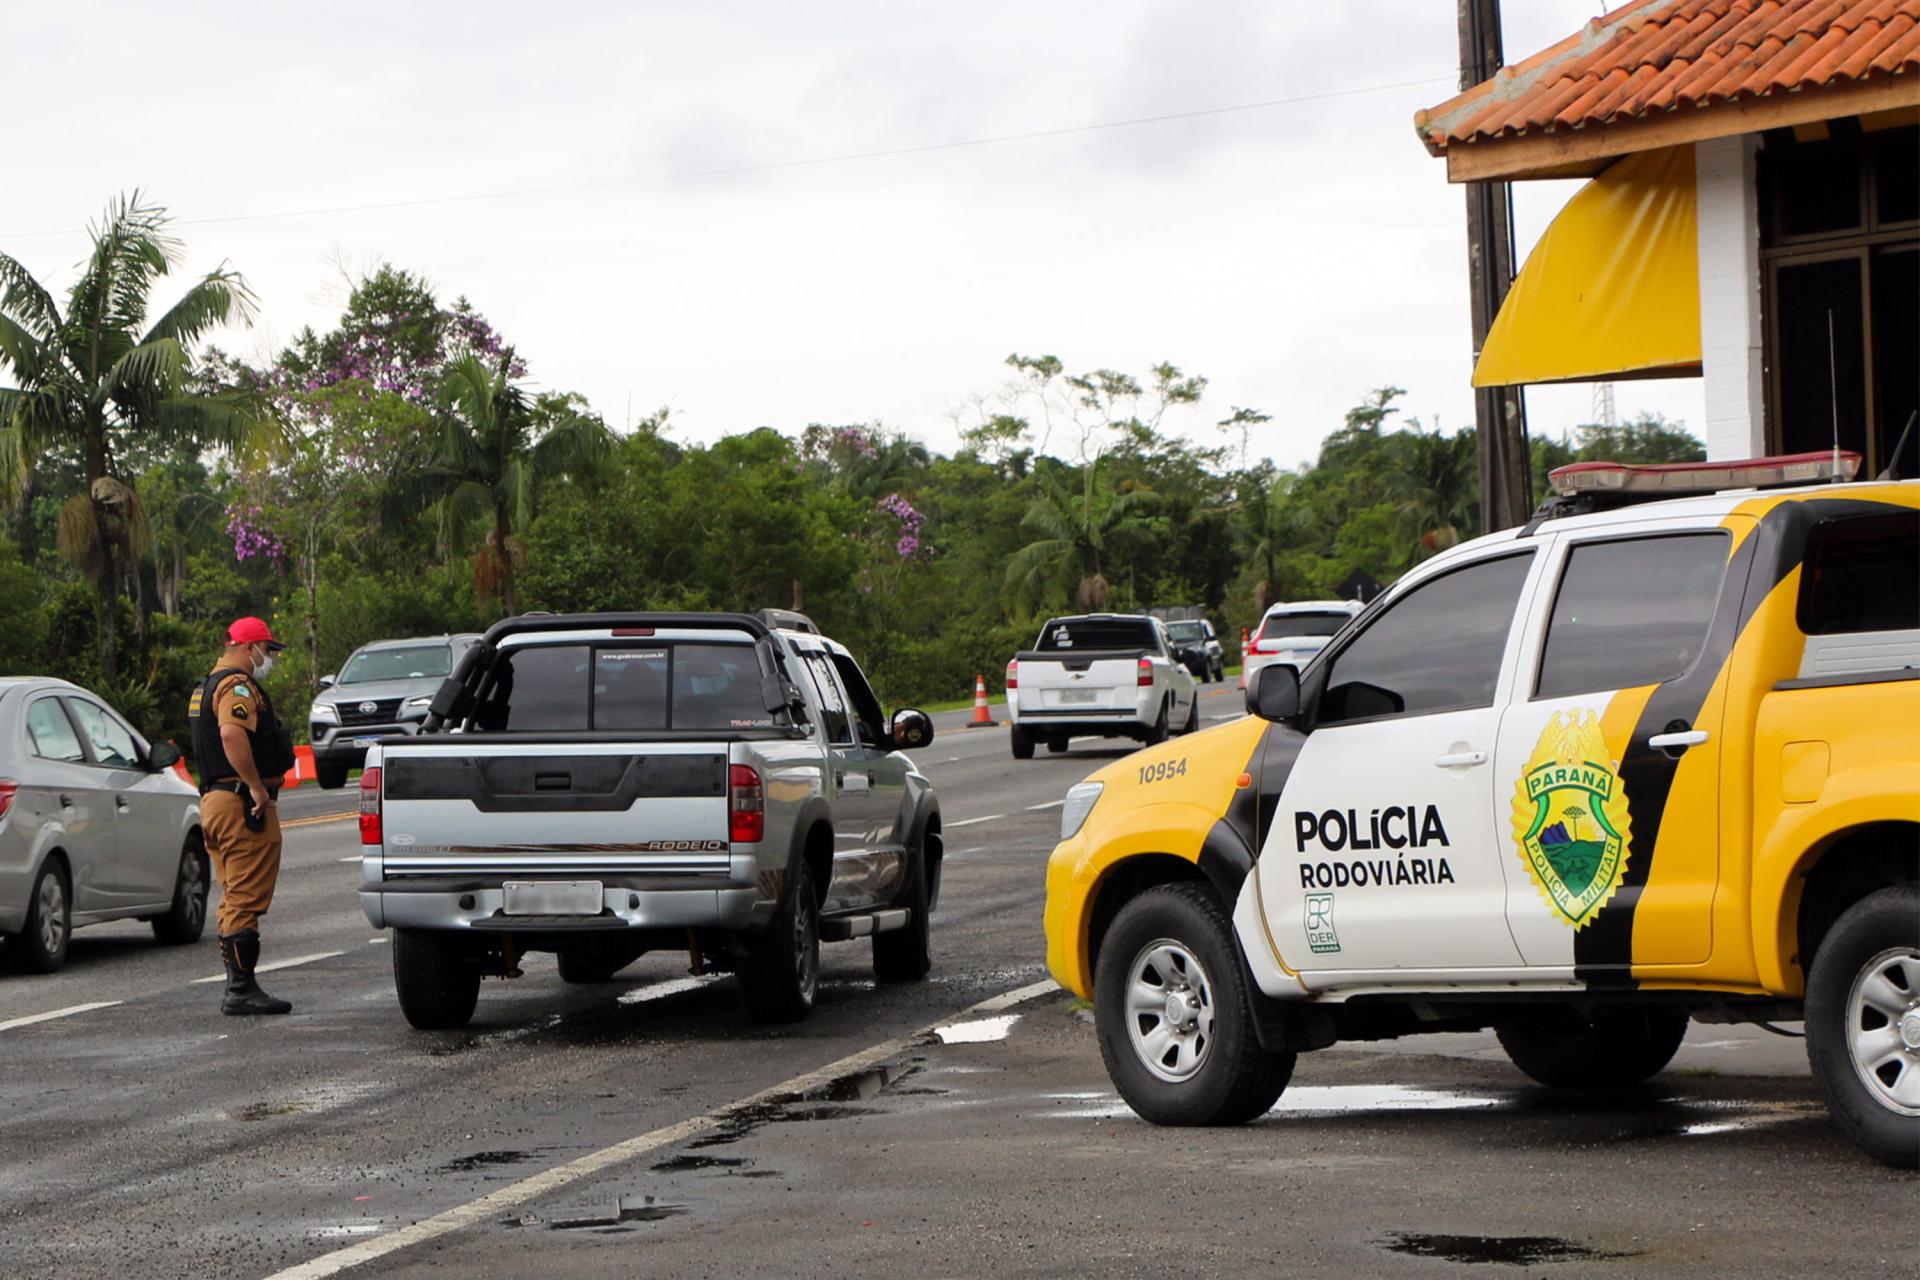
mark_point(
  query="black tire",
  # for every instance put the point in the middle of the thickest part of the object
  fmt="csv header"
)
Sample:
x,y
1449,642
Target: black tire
x,y
1878,936
1233,1079
1219,673
1611,1047
906,955
1158,733
780,973
581,968
186,919
437,977
1057,746
41,944
1193,716
1022,743
331,777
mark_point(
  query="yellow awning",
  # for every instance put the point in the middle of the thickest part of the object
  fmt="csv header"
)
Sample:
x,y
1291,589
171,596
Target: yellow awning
x,y
1613,288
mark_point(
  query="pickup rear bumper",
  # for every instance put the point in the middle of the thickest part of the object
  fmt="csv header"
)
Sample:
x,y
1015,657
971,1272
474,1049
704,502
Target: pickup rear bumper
x,y
400,906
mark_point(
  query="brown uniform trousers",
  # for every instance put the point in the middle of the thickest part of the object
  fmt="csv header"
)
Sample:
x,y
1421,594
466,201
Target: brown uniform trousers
x,y
246,864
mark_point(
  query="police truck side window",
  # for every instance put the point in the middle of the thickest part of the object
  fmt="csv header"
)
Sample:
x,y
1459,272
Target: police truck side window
x,y
1437,648
1862,575
1631,612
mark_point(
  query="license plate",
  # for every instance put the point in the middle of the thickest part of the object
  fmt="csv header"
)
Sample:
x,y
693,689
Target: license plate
x,y
1078,697
553,898
364,742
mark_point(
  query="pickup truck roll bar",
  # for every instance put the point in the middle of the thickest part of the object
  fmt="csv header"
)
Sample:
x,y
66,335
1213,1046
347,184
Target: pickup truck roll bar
x,y
459,689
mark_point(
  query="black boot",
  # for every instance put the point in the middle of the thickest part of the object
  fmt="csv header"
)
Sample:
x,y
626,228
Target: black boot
x,y
241,951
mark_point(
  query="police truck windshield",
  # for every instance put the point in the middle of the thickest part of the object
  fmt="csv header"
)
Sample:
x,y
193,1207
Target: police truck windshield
x,y
414,662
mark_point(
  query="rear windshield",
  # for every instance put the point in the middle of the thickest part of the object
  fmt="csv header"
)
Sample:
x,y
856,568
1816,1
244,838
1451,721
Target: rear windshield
x,y
1303,624
569,688
1186,631
1862,575
414,662
1098,633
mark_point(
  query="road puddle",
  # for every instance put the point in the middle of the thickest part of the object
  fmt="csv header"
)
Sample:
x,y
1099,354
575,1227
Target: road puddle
x,y
830,1101
1513,1251
485,1160
691,1164
979,1031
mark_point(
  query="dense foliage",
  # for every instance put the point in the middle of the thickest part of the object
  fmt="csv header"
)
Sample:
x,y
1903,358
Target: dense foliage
x,y
393,477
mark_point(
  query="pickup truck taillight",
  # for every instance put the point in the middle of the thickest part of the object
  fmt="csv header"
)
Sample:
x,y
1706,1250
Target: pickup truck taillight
x,y
1013,674
746,805
1145,678
370,832
8,789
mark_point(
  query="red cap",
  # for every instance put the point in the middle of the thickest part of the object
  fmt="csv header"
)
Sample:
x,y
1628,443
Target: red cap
x,y
252,631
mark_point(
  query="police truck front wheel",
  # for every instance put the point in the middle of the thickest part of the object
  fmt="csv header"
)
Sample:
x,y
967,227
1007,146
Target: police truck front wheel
x,y
1175,1017
437,977
1611,1047
1863,1024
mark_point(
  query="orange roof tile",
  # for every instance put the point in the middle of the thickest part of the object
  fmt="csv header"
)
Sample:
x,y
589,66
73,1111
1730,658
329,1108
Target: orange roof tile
x,y
1652,56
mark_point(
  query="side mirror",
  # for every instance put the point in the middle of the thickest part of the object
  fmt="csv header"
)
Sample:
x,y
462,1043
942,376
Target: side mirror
x,y
326,681
1275,693
162,755
910,729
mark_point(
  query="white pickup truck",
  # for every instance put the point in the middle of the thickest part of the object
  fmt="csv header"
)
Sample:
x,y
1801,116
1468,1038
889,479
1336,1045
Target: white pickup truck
x,y
1109,675
604,785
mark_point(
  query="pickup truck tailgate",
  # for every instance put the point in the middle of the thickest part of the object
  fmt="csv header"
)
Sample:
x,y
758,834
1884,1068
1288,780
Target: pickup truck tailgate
x,y
1091,681
466,808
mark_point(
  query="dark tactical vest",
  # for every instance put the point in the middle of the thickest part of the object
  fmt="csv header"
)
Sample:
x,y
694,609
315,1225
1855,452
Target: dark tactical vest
x,y
272,745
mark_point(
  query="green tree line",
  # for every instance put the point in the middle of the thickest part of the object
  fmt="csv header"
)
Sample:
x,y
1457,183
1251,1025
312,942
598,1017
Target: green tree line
x,y
396,476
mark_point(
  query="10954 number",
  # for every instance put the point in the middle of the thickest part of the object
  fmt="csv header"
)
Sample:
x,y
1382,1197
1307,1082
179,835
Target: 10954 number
x,y
1162,770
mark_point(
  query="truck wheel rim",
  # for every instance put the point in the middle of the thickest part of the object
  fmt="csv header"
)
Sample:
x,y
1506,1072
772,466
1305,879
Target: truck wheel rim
x,y
1883,1028
53,914
806,952
1169,1010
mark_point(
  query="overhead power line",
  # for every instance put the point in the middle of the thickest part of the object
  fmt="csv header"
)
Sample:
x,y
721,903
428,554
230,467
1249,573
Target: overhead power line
x,y
851,157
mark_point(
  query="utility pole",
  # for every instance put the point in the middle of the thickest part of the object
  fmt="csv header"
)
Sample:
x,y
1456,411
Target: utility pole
x,y
1500,415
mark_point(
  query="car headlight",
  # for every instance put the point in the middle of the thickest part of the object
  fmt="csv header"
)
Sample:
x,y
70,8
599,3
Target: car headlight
x,y
1081,797
324,713
419,703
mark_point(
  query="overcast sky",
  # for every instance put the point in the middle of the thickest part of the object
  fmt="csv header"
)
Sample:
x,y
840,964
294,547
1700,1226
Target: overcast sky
x,y
1296,255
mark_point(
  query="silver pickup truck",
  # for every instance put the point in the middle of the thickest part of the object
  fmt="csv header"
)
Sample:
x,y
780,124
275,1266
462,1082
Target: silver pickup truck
x,y
603,785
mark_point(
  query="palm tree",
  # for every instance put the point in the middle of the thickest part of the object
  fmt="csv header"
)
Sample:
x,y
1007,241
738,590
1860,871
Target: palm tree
x,y
1436,480
1078,530
495,447
99,376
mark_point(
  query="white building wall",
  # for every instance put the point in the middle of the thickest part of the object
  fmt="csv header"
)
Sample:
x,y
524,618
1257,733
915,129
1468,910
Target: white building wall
x,y
1732,349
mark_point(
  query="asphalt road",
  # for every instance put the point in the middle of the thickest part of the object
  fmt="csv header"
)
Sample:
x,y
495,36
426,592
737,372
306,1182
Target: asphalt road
x,y
648,1126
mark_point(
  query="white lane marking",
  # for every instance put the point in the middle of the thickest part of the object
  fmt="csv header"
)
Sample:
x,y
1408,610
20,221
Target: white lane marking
x,y
967,822
375,942
551,1180
1051,804
277,964
68,1012
660,991
979,1031
352,857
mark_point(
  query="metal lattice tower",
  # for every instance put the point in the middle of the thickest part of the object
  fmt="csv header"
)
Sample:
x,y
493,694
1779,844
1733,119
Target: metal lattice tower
x,y
1603,410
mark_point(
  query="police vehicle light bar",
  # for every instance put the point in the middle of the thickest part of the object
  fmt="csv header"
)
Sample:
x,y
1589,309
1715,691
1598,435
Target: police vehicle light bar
x,y
1678,479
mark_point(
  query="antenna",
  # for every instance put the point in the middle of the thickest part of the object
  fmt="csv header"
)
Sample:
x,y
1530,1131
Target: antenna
x,y
1603,409
1833,390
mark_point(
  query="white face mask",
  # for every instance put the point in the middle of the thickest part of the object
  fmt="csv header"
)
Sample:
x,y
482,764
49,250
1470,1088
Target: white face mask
x,y
263,665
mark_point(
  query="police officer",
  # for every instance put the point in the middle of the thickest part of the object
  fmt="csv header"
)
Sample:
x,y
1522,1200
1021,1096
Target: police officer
x,y
242,753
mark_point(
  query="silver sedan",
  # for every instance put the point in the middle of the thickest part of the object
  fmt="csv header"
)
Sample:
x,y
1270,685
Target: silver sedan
x,y
94,825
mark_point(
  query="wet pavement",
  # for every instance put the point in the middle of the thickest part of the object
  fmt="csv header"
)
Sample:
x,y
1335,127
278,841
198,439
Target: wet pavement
x,y
907,1129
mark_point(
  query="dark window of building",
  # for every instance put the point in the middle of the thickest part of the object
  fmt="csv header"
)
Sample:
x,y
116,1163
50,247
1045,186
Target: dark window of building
x,y
1631,613
1840,240
1862,575
1437,648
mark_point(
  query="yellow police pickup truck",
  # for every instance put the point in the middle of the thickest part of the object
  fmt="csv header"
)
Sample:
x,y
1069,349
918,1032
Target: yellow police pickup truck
x,y
1635,764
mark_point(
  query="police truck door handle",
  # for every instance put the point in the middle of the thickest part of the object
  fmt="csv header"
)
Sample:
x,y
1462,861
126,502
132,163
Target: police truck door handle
x,y
1675,741
1461,759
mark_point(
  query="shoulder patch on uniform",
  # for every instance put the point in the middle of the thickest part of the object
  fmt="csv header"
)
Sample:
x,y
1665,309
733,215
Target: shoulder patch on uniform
x,y
241,691
239,713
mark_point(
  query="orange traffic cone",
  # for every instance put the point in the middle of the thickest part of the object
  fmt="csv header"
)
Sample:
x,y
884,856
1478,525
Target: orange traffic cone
x,y
980,713
1244,639
303,769
180,767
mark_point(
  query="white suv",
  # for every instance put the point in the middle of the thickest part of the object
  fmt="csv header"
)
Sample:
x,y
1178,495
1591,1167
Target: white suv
x,y
1295,631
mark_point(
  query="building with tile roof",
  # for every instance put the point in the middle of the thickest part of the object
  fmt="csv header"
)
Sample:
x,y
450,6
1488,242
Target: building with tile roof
x,y
1753,216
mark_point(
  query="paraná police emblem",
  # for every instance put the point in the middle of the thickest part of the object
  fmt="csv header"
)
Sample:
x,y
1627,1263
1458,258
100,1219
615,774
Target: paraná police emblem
x,y
1570,818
